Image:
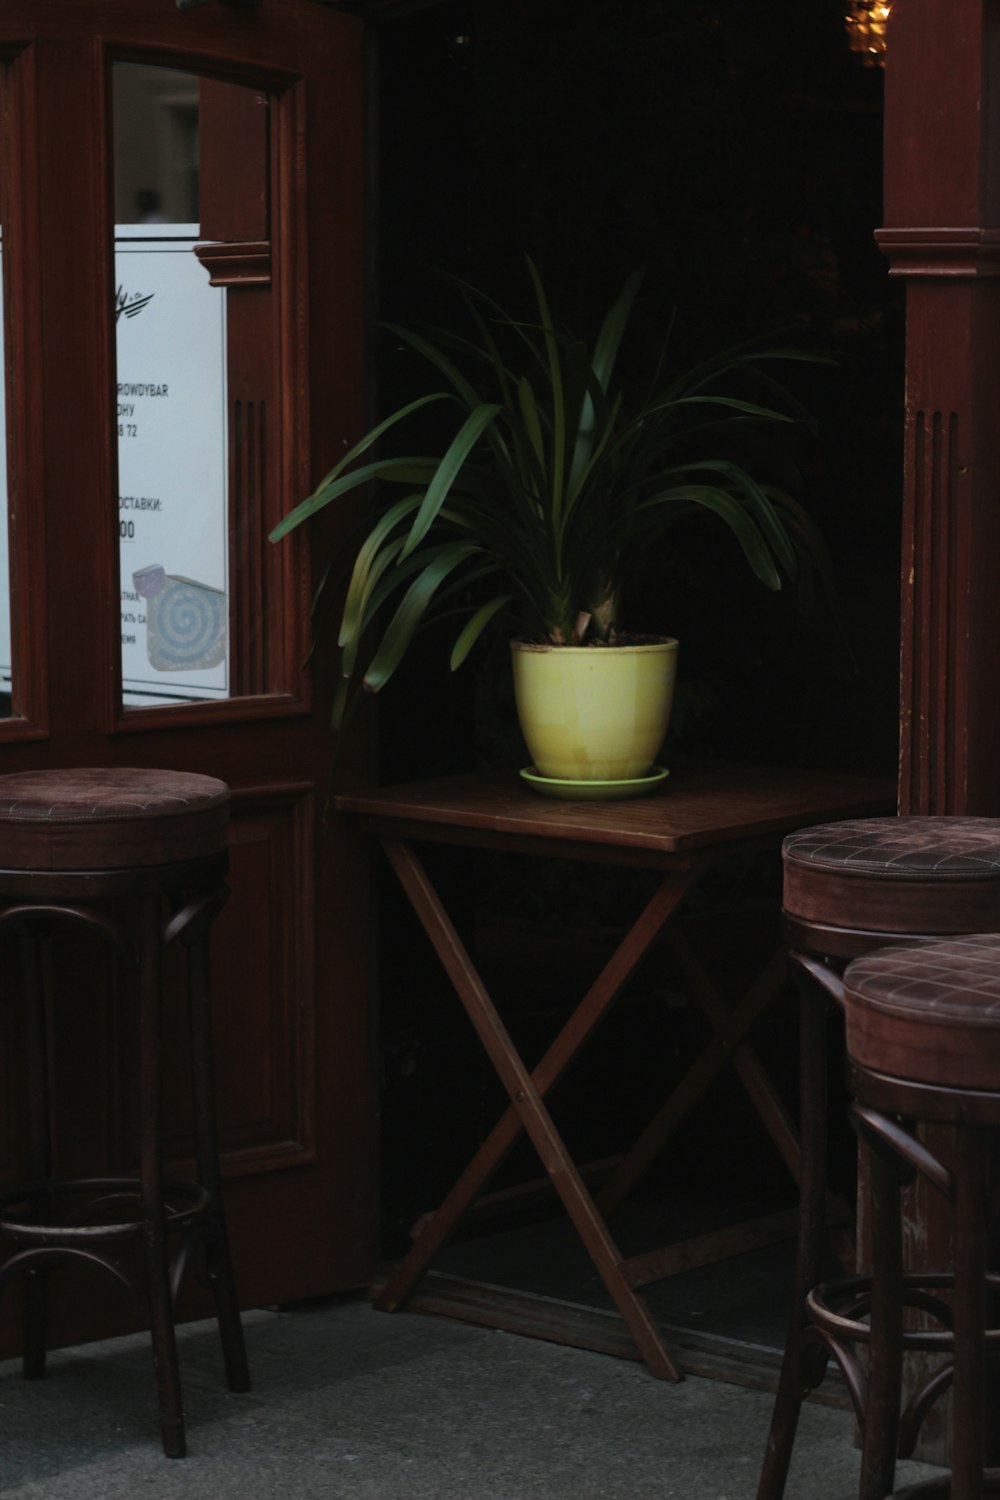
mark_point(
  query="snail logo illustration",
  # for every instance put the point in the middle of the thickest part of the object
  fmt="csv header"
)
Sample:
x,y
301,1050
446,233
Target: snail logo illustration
x,y
186,622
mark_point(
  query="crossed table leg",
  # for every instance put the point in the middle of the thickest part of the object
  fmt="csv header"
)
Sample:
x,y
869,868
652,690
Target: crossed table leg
x,y
526,1090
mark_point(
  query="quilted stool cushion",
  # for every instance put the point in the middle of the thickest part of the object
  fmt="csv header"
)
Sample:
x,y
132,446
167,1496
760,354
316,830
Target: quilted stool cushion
x,y
928,1013
913,874
109,819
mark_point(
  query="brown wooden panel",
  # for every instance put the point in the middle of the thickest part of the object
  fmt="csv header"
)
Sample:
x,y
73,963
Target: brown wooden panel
x,y
950,725
22,312
253,480
15,1105
264,1001
942,131
265,982
937,83
12,1101
233,161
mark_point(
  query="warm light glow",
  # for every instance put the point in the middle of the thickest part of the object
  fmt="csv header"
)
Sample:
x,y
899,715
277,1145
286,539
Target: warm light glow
x,y
866,22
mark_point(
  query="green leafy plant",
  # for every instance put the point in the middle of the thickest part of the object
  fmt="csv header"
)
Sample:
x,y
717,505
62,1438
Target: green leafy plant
x,y
557,480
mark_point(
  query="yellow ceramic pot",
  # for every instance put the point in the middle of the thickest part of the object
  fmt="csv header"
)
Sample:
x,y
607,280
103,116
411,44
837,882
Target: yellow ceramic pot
x,y
594,713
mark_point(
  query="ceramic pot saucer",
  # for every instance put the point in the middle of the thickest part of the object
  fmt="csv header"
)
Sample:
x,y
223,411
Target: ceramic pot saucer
x,y
594,791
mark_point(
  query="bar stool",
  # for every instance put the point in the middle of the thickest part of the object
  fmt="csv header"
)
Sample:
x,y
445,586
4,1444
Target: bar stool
x,y
851,888
923,1046
138,857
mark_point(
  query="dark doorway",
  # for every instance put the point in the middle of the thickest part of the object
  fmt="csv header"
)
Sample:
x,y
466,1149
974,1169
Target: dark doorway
x,y
735,152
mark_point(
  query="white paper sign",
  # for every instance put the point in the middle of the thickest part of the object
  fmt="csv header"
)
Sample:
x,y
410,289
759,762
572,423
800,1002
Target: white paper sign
x,y
6,654
172,473
172,467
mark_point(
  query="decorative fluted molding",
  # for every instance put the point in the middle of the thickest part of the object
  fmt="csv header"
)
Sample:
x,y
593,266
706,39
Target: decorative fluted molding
x,y
933,615
249,506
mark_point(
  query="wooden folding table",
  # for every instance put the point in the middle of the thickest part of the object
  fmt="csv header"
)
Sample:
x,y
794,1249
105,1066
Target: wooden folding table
x,y
701,816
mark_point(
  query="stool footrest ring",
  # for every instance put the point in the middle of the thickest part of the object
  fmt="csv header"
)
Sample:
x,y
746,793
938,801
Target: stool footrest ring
x,y
103,1192
855,1291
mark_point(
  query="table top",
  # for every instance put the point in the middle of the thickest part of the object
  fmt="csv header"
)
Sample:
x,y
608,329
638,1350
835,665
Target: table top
x,y
699,808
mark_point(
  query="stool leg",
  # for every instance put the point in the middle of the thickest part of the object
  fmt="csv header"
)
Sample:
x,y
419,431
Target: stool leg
x,y
970,1311
796,1379
36,1290
151,1173
218,1262
880,1437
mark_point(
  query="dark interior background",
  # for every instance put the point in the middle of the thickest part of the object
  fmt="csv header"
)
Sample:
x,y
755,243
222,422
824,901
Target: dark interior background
x,y
734,151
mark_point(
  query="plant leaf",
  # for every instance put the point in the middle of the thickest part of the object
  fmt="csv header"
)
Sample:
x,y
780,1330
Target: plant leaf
x,y
369,551
742,526
448,469
764,512
612,329
558,399
528,408
475,627
328,489
411,610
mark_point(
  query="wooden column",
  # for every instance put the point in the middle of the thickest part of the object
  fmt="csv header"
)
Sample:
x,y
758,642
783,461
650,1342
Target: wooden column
x,y
942,232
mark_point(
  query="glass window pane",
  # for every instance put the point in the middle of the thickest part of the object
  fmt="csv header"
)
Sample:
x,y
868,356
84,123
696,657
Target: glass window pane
x,y
170,334
6,643
156,146
196,383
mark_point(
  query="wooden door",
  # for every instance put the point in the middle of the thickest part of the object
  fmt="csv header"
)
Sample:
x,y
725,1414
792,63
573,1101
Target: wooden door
x,y
162,414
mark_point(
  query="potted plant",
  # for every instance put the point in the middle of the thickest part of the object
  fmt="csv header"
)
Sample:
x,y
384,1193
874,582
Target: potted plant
x,y
555,479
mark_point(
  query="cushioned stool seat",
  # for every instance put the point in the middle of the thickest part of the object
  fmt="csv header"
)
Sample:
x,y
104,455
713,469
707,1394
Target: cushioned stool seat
x,y
890,877
852,888
931,1016
92,819
137,857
